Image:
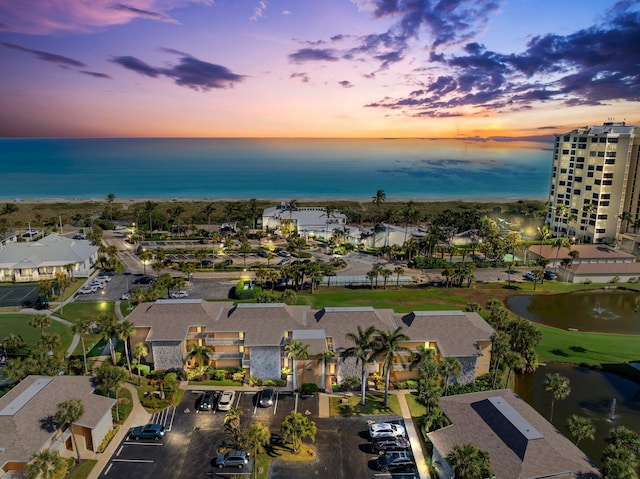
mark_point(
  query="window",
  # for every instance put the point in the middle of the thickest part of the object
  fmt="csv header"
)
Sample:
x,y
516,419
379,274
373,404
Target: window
x,y
599,168
606,196
597,182
604,203
582,139
613,140
578,179
608,175
591,168
579,166
563,170
602,217
587,188
562,183
594,196
602,140
611,154
565,152
607,182
576,192
582,146
609,161
594,139
580,159
601,154
566,138
590,174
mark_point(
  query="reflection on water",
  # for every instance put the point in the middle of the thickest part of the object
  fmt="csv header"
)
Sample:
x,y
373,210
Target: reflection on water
x,y
607,399
609,311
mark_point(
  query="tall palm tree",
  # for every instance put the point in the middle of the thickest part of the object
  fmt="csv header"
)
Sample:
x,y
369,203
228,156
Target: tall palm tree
x,y
379,198
70,411
398,270
296,350
581,428
253,439
559,388
558,243
232,422
202,354
107,324
123,331
544,231
561,211
389,346
80,328
44,464
140,350
363,351
450,368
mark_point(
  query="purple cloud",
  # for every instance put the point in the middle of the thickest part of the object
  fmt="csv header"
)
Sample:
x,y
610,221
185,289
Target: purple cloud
x,y
46,56
96,74
148,14
313,54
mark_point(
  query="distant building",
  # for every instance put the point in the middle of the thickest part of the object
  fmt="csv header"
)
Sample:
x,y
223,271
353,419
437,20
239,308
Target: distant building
x,y
597,263
520,442
307,221
27,425
596,176
42,259
253,337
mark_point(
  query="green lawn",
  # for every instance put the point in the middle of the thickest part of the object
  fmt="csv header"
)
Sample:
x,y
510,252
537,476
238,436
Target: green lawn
x,y
373,405
19,324
417,410
590,349
76,311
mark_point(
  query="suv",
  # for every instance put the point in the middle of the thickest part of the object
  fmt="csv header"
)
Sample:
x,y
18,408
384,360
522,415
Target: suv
x,y
150,431
234,458
550,275
226,401
390,444
393,461
205,402
385,429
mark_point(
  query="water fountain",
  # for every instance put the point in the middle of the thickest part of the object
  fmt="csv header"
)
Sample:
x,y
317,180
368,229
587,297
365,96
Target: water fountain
x,y
597,309
612,410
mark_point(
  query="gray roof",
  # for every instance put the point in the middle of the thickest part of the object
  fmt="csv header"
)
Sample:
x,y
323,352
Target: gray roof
x,y
52,250
29,407
520,442
265,324
456,332
586,251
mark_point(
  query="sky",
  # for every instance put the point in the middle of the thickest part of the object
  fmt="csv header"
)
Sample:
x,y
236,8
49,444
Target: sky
x,y
316,68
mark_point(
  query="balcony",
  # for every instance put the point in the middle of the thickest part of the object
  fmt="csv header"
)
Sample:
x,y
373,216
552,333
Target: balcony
x,y
227,355
223,341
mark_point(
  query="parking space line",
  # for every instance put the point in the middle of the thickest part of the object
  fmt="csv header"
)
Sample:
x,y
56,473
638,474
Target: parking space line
x,y
146,461
296,403
108,469
136,443
275,405
173,415
255,408
119,451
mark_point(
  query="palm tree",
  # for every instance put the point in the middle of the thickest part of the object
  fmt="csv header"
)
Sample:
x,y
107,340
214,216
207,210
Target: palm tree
x,y
379,198
296,427
139,350
450,368
232,421
326,357
389,346
44,464
107,324
558,243
110,377
544,233
202,355
49,342
385,273
581,428
253,439
9,209
469,462
515,362
363,352
80,328
123,331
296,350
70,411
40,322
558,386
145,257
561,212
398,270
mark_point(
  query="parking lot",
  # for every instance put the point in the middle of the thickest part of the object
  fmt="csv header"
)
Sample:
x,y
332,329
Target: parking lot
x,y
190,445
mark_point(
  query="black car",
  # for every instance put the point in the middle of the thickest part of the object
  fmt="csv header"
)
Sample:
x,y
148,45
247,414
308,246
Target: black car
x,y
145,280
267,397
205,402
384,444
394,461
550,275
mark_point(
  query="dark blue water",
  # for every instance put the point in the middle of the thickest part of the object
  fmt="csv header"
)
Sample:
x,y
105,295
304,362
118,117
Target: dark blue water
x,y
272,168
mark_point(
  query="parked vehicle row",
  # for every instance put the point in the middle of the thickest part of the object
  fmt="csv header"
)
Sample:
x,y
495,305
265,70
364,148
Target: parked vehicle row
x,y
99,282
211,400
390,442
548,275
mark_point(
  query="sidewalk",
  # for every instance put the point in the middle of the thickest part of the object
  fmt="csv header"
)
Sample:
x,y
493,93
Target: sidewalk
x,y
138,416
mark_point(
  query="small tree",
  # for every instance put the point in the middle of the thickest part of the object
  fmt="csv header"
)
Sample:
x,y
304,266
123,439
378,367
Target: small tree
x,y
558,386
581,428
44,463
70,411
40,322
253,439
296,427
110,378
80,328
201,354
139,350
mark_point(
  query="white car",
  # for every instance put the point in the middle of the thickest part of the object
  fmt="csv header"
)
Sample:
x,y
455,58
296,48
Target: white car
x,y
386,429
87,289
180,294
125,297
226,401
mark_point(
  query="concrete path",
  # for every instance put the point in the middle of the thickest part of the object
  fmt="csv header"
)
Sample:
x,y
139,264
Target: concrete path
x,y
412,434
139,416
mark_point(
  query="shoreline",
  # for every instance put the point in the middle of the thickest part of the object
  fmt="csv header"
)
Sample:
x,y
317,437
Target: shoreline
x,y
324,200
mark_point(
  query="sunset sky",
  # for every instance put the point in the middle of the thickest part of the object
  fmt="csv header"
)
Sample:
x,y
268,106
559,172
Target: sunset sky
x,y
316,68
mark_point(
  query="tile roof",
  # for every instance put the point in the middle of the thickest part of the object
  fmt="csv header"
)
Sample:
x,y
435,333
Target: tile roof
x,y
27,409
520,442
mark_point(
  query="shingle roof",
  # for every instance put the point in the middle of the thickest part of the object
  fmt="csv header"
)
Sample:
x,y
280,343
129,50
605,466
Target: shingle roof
x,y
605,268
26,410
586,251
456,332
520,442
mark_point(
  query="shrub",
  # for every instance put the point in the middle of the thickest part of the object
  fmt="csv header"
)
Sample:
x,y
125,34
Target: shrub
x,y
253,381
335,388
309,388
350,382
219,374
411,384
252,292
614,280
238,376
107,438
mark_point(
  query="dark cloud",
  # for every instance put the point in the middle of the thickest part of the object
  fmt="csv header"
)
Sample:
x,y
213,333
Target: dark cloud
x,y
313,54
345,84
138,12
300,76
132,63
96,74
46,56
189,72
591,66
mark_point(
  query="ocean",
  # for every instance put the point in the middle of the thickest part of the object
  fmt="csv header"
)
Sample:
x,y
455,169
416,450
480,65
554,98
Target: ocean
x,y
231,168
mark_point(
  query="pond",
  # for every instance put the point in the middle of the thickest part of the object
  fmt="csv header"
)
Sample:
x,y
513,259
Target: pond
x,y
607,311
607,399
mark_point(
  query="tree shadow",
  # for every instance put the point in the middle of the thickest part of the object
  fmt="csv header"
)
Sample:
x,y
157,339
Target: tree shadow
x,y
559,352
577,349
49,424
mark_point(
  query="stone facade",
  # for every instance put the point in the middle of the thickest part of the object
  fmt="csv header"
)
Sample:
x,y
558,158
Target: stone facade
x,y
167,355
265,362
468,374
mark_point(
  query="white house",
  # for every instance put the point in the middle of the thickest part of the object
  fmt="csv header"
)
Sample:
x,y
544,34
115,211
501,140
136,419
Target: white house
x,y
307,220
42,259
